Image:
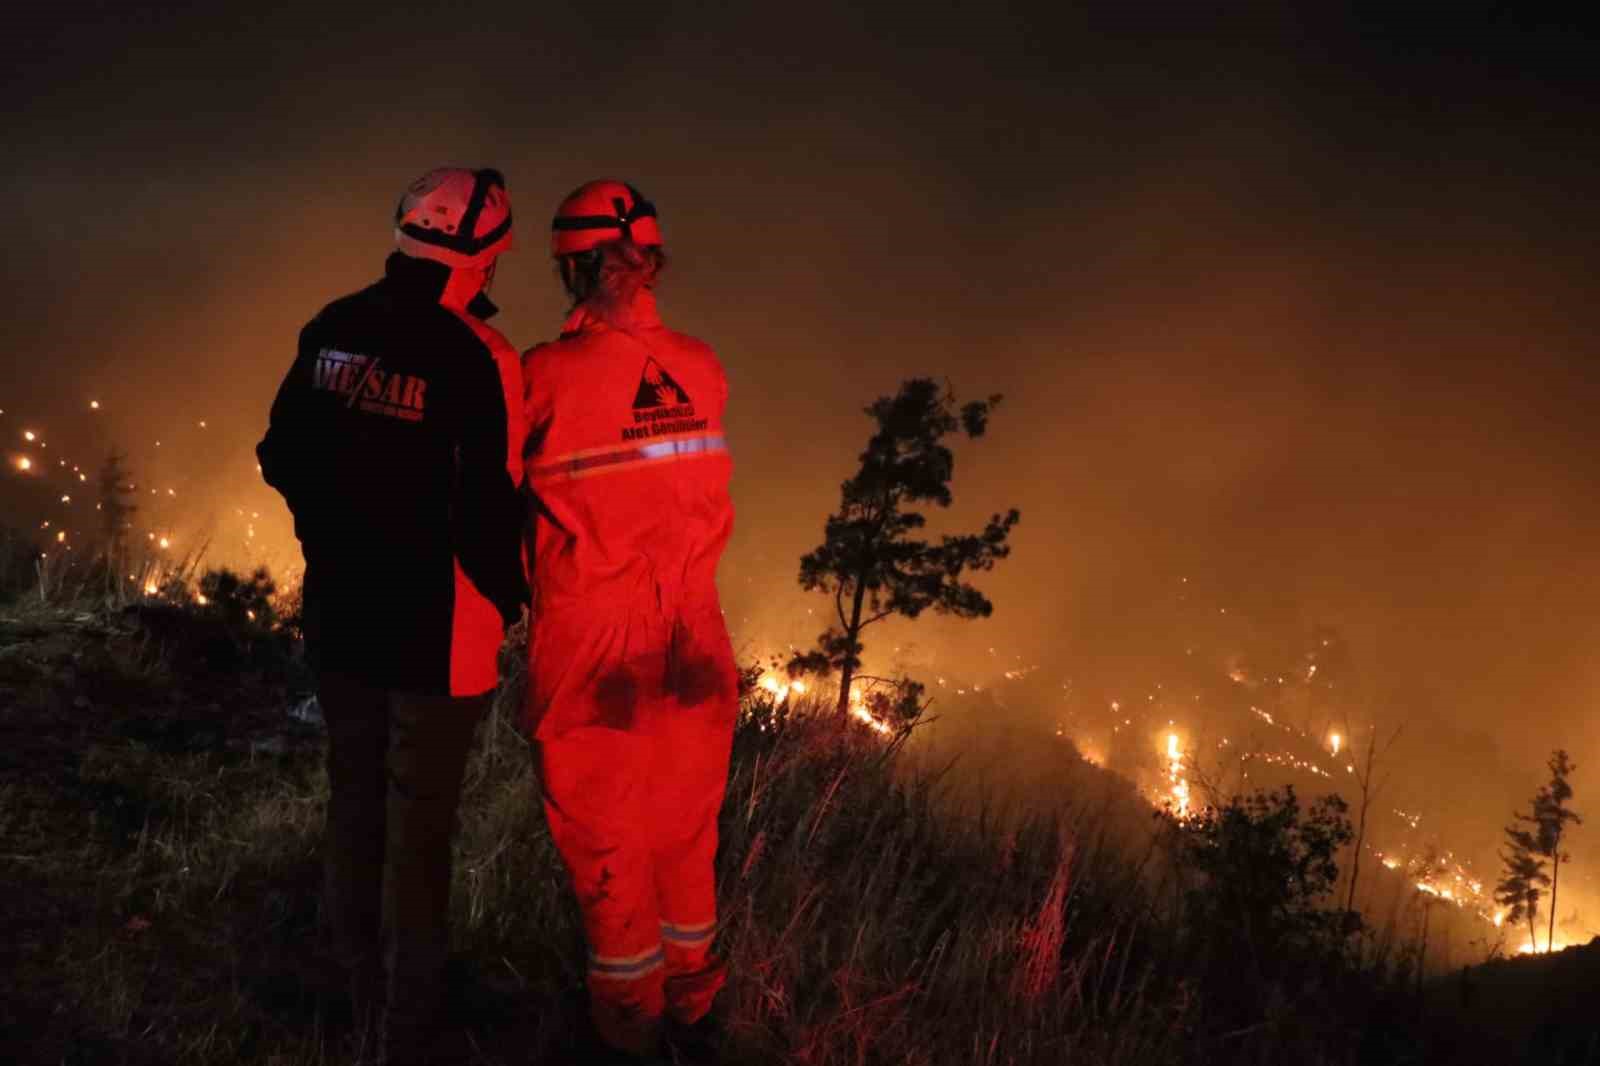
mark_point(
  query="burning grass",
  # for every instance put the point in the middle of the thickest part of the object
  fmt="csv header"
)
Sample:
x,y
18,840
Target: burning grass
x,y
161,819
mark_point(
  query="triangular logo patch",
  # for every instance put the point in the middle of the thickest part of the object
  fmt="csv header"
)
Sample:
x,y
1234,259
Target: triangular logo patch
x,y
657,389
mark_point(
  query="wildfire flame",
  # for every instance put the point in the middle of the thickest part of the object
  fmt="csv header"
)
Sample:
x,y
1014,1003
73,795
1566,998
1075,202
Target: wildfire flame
x,y
859,712
1178,785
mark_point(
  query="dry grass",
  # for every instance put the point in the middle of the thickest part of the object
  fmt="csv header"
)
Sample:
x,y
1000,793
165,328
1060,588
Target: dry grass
x,y
161,847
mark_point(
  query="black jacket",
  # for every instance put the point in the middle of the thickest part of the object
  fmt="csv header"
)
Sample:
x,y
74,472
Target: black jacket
x,y
390,441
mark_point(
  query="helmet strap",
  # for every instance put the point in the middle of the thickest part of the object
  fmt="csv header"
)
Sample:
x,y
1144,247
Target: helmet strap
x,y
622,218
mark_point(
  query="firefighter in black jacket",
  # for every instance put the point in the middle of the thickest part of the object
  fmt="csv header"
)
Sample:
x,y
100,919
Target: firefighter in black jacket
x,y
395,439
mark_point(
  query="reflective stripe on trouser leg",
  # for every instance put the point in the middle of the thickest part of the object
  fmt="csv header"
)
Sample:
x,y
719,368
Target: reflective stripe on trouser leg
x,y
687,947
627,998
688,944
694,976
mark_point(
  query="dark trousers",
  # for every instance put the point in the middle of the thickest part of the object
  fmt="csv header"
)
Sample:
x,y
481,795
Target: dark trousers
x,y
395,764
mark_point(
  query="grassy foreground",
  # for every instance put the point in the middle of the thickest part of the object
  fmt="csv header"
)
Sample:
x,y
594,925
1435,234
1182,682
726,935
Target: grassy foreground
x,y
160,819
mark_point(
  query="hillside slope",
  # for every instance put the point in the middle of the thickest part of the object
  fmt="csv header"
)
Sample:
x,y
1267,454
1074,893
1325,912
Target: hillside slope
x,y
160,821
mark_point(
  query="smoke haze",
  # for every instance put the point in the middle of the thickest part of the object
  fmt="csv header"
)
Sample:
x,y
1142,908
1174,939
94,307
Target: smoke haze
x,y
1293,315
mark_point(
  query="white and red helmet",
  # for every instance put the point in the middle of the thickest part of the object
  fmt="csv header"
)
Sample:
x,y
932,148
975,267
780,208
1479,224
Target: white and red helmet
x,y
460,217
602,211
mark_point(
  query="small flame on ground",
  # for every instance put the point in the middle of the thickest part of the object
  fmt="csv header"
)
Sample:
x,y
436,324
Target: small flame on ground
x,y
781,690
859,712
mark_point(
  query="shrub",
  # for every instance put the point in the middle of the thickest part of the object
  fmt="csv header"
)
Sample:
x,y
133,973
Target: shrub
x,y
238,599
1254,877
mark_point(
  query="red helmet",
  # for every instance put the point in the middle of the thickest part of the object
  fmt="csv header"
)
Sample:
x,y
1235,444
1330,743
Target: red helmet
x,y
460,217
603,211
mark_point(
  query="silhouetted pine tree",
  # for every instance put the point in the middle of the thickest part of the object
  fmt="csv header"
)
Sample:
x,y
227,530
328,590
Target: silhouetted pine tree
x,y
1522,883
867,561
1551,816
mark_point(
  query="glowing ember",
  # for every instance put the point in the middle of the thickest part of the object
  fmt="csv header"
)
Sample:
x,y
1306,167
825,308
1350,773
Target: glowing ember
x,y
1334,742
28,435
24,463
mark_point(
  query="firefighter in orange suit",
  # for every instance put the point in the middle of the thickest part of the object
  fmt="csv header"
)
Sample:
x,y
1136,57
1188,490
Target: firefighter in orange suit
x,y
632,685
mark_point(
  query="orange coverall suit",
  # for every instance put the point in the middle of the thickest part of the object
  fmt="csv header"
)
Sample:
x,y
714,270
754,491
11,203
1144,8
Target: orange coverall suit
x,y
633,689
